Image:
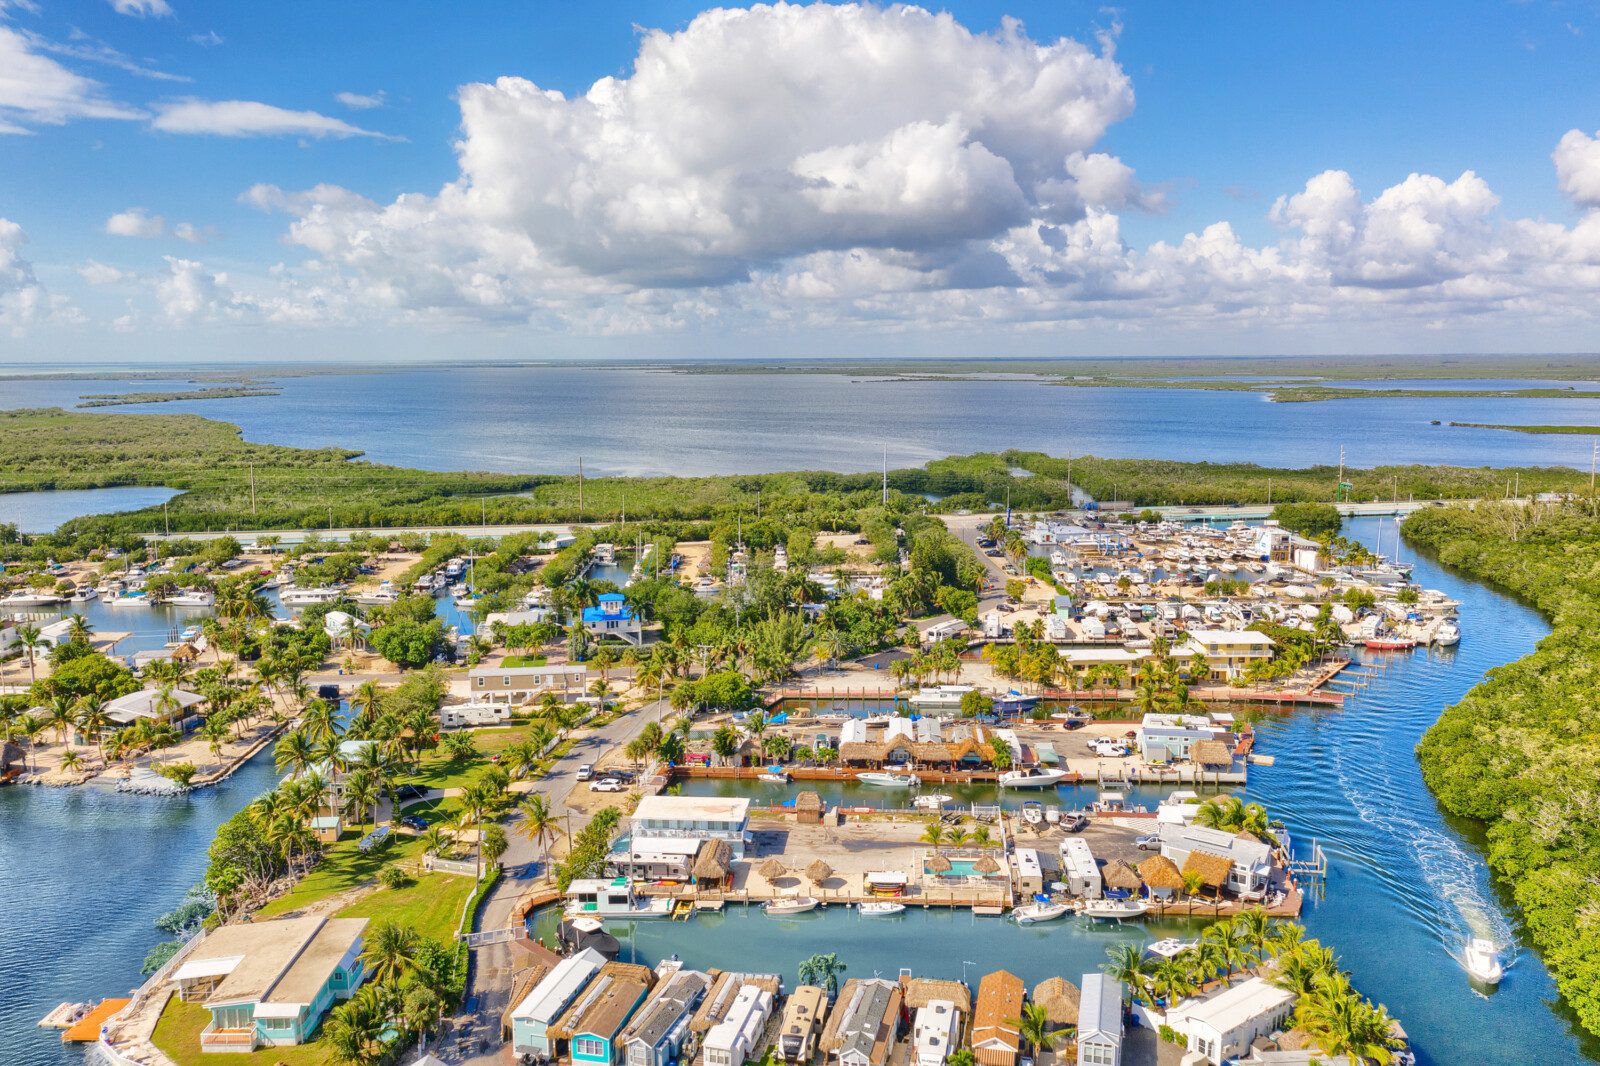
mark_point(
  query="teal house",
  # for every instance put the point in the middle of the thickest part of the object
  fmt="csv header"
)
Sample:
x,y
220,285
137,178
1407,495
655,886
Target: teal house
x,y
269,984
592,1027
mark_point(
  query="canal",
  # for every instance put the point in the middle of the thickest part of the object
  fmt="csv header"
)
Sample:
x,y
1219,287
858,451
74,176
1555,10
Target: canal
x,y
85,872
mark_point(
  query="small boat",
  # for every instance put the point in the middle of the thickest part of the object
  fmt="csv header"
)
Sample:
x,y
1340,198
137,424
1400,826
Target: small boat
x,y
1052,815
129,599
887,780
30,599
1036,778
931,801
1039,911
192,598
381,596
1014,703
1482,960
1388,644
774,775
1448,634
789,905
1115,910
85,593
1170,947
881,909
1033,813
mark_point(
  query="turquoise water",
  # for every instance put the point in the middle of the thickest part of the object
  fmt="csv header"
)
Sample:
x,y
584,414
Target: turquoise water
x,y
41,512
84,872
631,420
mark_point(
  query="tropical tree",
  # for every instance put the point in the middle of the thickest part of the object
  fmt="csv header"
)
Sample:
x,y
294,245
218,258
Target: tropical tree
x,y
824,971
355,1029
391,951
1034,1027
492,844
538,824
27,635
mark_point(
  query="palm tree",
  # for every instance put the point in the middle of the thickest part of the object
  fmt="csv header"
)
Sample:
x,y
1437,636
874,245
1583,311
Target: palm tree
x,y
93,720
295,753
822,970
492,844
27,635
538,825
1232,944
1252,924
1034,1027
1343,1023
355,1029
1127,966
80,629
391,951
1171,980
934,835
70,761
365,700
436,841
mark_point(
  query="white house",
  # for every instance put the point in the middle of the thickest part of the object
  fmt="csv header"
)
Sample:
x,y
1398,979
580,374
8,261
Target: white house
x,y
1223,1026
613,618
731,1041
1168,737
935,1030
1228,651
1079,870
524,681
665,834
1251,860
1100,1021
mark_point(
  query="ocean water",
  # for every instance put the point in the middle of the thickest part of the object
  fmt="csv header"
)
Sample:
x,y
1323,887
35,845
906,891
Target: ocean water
x,y
629,420
40,512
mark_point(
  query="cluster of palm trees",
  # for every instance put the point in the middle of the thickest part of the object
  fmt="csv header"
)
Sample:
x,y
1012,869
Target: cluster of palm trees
x,y
1335,1017
940,835
1033,660
1234,815
402,991
939,662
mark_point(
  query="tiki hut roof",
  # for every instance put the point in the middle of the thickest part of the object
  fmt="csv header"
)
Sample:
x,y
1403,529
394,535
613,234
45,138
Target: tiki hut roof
x,y
862,751
808,801
920,991
960,749
772,869
819,871
1120,874
931,751
986,864
1294,1040
939,864
714,861
1059,997
1213,869
1211,753
1158,871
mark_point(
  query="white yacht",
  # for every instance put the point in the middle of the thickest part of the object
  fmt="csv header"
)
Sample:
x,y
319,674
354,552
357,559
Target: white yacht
x,y
1115,910
1447,634
294,596
85,593
30,599
1482,960
192,598
931,801
940,697
128,599
381,596
1038,777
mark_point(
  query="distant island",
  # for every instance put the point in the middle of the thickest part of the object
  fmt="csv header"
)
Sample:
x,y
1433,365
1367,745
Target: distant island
x,y
1580,431
122,399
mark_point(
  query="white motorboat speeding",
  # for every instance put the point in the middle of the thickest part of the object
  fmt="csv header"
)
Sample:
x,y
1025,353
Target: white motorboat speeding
x,y
886,780
1036,778
881,909
1482,960
789,905
1033,913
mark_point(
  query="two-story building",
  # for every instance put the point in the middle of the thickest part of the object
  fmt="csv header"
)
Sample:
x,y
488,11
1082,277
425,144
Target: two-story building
x,y
1166,738
1235,861
665,834
1228,652
270,983
996,1037
864,1024
528,682
611,618
1100,1021
175,706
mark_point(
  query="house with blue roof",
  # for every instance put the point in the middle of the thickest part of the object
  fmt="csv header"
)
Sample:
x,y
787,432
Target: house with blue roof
x,y
613,618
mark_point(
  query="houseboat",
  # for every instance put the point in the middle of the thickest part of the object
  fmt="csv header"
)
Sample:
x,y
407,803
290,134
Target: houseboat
x,y
614,898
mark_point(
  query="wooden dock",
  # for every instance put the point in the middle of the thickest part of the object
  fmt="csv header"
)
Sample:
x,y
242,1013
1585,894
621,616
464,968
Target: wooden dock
x,y
86,1030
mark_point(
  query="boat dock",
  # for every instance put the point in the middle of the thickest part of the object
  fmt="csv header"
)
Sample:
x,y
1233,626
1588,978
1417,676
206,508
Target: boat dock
x,y
86,1030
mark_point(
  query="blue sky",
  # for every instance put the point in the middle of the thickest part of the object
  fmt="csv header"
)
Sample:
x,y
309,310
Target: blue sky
x,y
1226,108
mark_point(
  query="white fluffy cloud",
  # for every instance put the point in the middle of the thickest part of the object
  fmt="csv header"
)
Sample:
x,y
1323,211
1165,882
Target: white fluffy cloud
x,y
249,118
22,299
1577,159
36,90
362,101
137,222
142,8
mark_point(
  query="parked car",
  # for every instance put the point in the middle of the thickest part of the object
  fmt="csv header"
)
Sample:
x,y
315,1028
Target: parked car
x,y
607,784
586,771
412,821
1147,842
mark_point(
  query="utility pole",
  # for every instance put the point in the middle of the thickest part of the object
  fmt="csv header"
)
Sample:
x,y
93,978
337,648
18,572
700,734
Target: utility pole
x,y
166,520
580,488
252,488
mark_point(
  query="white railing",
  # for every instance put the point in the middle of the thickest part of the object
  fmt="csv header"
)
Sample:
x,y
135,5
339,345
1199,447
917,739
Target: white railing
x,y
431,863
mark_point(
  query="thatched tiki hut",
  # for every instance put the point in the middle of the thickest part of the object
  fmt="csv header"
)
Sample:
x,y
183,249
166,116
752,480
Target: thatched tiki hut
x,y
938,864
713,865
1120,874
986,865
819,872
1212,869
1162,876
1059,997
772,870
808,808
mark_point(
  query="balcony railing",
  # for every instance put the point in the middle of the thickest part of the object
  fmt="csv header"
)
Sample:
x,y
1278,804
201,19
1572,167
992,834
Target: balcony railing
x,y
213,1039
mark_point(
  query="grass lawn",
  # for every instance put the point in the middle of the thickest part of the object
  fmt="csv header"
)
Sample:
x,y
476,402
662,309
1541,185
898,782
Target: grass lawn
x,y
438,770
525,660
431,904
178,1035
342,867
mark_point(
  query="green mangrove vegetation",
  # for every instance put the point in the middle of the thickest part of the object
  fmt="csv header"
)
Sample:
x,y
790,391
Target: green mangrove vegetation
x,y
1579,431
123,399
1521,751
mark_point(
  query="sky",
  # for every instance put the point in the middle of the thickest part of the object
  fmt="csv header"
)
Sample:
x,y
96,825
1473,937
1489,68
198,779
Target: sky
x,y
414,181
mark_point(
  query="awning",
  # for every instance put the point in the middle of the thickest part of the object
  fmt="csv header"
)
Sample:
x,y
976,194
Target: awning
x,y
278,1010
198,968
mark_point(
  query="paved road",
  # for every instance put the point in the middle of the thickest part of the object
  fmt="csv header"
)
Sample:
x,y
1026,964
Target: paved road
x,y
489,980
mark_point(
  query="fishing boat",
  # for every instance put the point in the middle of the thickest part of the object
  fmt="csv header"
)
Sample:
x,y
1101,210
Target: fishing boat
x,y
1035,778
1013,703
881,909
129,599
1482,960
192,598
1115,910
85,593
30,599
886,780
1448,634
1039,911
381,596
940,697
774,775
789,905
1388,644
931,801
1170,947
1033,812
